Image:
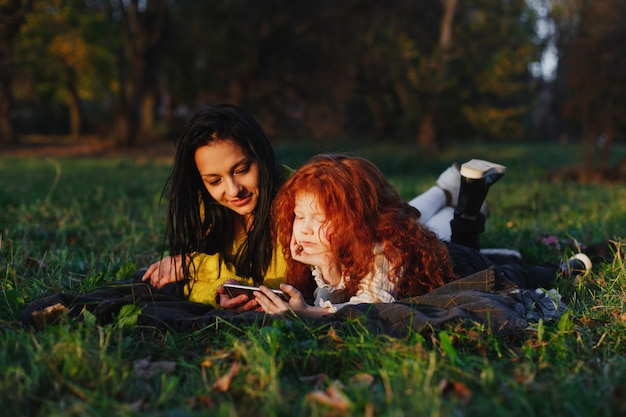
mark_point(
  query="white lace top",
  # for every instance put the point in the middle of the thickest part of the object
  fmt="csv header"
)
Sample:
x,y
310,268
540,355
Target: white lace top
x,y
374,288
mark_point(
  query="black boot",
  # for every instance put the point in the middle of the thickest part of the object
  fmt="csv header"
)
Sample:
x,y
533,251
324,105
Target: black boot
x,y
468,222
466,231
476,178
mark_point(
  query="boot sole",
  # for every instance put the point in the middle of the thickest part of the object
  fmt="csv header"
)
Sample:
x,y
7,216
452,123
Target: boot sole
x,y
478,168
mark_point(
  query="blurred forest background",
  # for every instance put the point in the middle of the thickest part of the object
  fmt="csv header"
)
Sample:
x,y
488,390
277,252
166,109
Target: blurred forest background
x,y
422,72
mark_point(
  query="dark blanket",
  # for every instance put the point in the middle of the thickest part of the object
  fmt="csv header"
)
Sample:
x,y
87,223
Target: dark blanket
x,y
479,298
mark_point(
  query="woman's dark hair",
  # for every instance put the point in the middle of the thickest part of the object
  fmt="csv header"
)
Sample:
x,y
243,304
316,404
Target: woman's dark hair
x,y
195,221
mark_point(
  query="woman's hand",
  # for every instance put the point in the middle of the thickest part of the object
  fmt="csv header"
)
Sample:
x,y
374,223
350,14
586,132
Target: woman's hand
x,y
165,271
239,303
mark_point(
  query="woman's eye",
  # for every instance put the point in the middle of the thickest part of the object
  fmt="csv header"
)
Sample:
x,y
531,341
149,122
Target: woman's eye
x,y
243,170
214,182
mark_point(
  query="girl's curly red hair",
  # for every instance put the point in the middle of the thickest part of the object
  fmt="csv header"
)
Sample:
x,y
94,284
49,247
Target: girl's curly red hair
x,y
364,210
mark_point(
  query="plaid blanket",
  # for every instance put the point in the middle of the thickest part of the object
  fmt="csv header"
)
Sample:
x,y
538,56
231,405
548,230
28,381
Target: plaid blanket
x,y
482,297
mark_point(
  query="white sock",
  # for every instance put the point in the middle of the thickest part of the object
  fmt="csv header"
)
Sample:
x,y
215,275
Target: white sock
x,y
440,223
429,203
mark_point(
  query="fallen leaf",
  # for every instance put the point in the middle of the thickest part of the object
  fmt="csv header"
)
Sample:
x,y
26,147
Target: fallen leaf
x,y
362,380
200,401
458,389
209,361
332,335
332,397
223,383
48,315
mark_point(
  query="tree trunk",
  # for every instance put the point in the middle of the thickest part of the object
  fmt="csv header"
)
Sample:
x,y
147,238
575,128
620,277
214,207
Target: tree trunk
x,y
143,31
427,139
73,101
607,138
7,133
427,135
146,123
587,140
12,16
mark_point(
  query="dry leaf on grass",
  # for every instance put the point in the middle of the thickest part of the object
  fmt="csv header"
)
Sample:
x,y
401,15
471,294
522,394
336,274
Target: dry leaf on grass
x,y
202,401
210,361
223,383
458,389
332,335
332,397
48,315
362,380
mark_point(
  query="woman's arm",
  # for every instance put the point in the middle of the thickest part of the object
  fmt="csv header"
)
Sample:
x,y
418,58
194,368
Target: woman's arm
x,y
207,274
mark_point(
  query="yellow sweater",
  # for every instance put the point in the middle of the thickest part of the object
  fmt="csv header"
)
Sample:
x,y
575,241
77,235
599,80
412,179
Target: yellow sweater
x,y
210,271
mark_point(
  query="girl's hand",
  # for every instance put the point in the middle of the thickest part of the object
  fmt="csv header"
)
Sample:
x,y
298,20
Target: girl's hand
x,y
299,253
165,271
272,303
325,261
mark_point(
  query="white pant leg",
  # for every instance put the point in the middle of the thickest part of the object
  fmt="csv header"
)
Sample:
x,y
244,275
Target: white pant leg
x,y
429,203
440,223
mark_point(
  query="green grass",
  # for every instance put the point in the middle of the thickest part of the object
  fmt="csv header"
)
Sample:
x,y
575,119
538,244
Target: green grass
x,y
75,224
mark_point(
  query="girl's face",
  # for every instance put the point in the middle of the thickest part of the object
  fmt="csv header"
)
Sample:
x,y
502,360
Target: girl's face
x,y
230,176
310,229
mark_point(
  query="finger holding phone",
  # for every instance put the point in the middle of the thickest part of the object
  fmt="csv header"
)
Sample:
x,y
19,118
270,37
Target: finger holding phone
x,y
272,303
241,303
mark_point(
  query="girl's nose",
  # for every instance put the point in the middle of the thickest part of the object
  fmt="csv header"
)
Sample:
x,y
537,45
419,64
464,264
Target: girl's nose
x,y
306,228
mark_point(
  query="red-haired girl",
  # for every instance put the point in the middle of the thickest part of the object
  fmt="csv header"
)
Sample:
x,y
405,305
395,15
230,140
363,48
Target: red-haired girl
x,y
349,238
343,224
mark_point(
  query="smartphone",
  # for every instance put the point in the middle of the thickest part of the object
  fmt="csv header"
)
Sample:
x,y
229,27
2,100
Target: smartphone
x,y
233,290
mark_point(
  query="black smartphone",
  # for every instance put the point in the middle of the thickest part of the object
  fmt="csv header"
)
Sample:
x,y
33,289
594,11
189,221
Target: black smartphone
x,y
233,290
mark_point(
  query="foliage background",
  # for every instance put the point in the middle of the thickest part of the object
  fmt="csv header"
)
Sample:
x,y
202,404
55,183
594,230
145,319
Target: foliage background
x,y
422,73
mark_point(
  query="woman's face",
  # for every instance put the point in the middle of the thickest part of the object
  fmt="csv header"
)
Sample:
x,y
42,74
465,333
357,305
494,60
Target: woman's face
x,y
230,176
